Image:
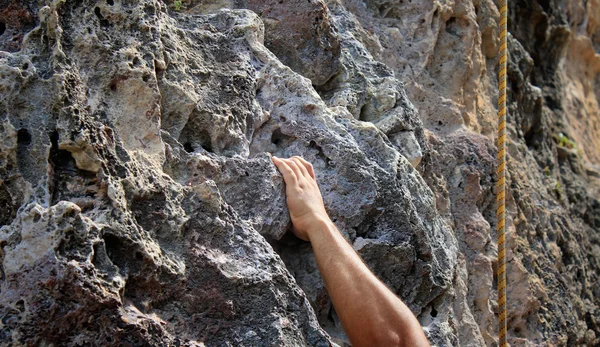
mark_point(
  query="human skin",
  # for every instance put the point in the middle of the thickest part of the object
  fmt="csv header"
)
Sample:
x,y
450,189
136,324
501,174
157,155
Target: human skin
x,y
369,312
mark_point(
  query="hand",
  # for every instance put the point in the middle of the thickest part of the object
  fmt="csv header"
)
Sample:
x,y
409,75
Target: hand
x,y
304,198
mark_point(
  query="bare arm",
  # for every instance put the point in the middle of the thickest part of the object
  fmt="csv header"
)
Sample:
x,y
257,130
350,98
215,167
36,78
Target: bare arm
x,y
370,313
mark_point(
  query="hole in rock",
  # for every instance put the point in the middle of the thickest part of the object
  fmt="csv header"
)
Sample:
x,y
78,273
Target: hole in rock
x,y
545,5
110,2
188,147
96,258
452,26
383,10
195,135
98,13
207,146
119,253
2,28
60,158
434,312
280,139
20,305
364,114
150,10
23,137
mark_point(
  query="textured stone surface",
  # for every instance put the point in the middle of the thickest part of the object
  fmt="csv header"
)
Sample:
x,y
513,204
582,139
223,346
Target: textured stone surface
x,y
117,235
140,205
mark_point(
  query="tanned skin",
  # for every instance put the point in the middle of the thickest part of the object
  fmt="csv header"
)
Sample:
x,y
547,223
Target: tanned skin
x,y
370,313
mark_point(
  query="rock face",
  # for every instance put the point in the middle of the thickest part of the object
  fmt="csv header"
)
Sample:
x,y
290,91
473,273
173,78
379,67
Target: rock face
x,y
140,205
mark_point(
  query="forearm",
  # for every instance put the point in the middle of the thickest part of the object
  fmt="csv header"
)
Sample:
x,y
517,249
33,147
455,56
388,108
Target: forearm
x,y
370,313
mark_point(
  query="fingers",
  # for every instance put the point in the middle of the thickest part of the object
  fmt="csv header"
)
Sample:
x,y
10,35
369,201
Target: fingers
x,y
295,167
289,175
301,165
298,166
308,167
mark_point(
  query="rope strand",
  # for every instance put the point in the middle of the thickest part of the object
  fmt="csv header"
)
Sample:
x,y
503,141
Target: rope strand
x,y
501,170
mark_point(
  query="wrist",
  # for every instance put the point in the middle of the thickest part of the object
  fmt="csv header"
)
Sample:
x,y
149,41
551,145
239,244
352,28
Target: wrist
x,y
319,227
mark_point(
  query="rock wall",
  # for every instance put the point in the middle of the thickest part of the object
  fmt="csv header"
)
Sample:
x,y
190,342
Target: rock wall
x,y
141,207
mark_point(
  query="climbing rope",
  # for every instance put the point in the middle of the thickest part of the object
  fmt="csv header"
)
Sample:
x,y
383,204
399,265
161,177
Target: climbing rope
x,y
500,191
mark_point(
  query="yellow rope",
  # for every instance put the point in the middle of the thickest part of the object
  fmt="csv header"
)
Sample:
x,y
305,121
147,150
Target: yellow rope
x,y
500,191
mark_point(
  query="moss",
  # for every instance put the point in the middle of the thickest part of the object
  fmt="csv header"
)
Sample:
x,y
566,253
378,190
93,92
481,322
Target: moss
x,y
177,5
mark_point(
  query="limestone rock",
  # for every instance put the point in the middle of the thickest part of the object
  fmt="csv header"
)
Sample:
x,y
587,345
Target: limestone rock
x,y
140,205
298,32
116,235
136,144
301,35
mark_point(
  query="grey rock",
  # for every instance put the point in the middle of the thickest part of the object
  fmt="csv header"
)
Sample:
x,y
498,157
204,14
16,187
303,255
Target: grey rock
x,y
111,239
141,207
136,167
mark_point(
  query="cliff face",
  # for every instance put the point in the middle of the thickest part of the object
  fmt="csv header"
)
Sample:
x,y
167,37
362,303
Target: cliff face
x,y
140,205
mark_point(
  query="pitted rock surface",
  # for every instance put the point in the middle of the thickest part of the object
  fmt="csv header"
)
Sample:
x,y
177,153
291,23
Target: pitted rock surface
x,y
140,205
